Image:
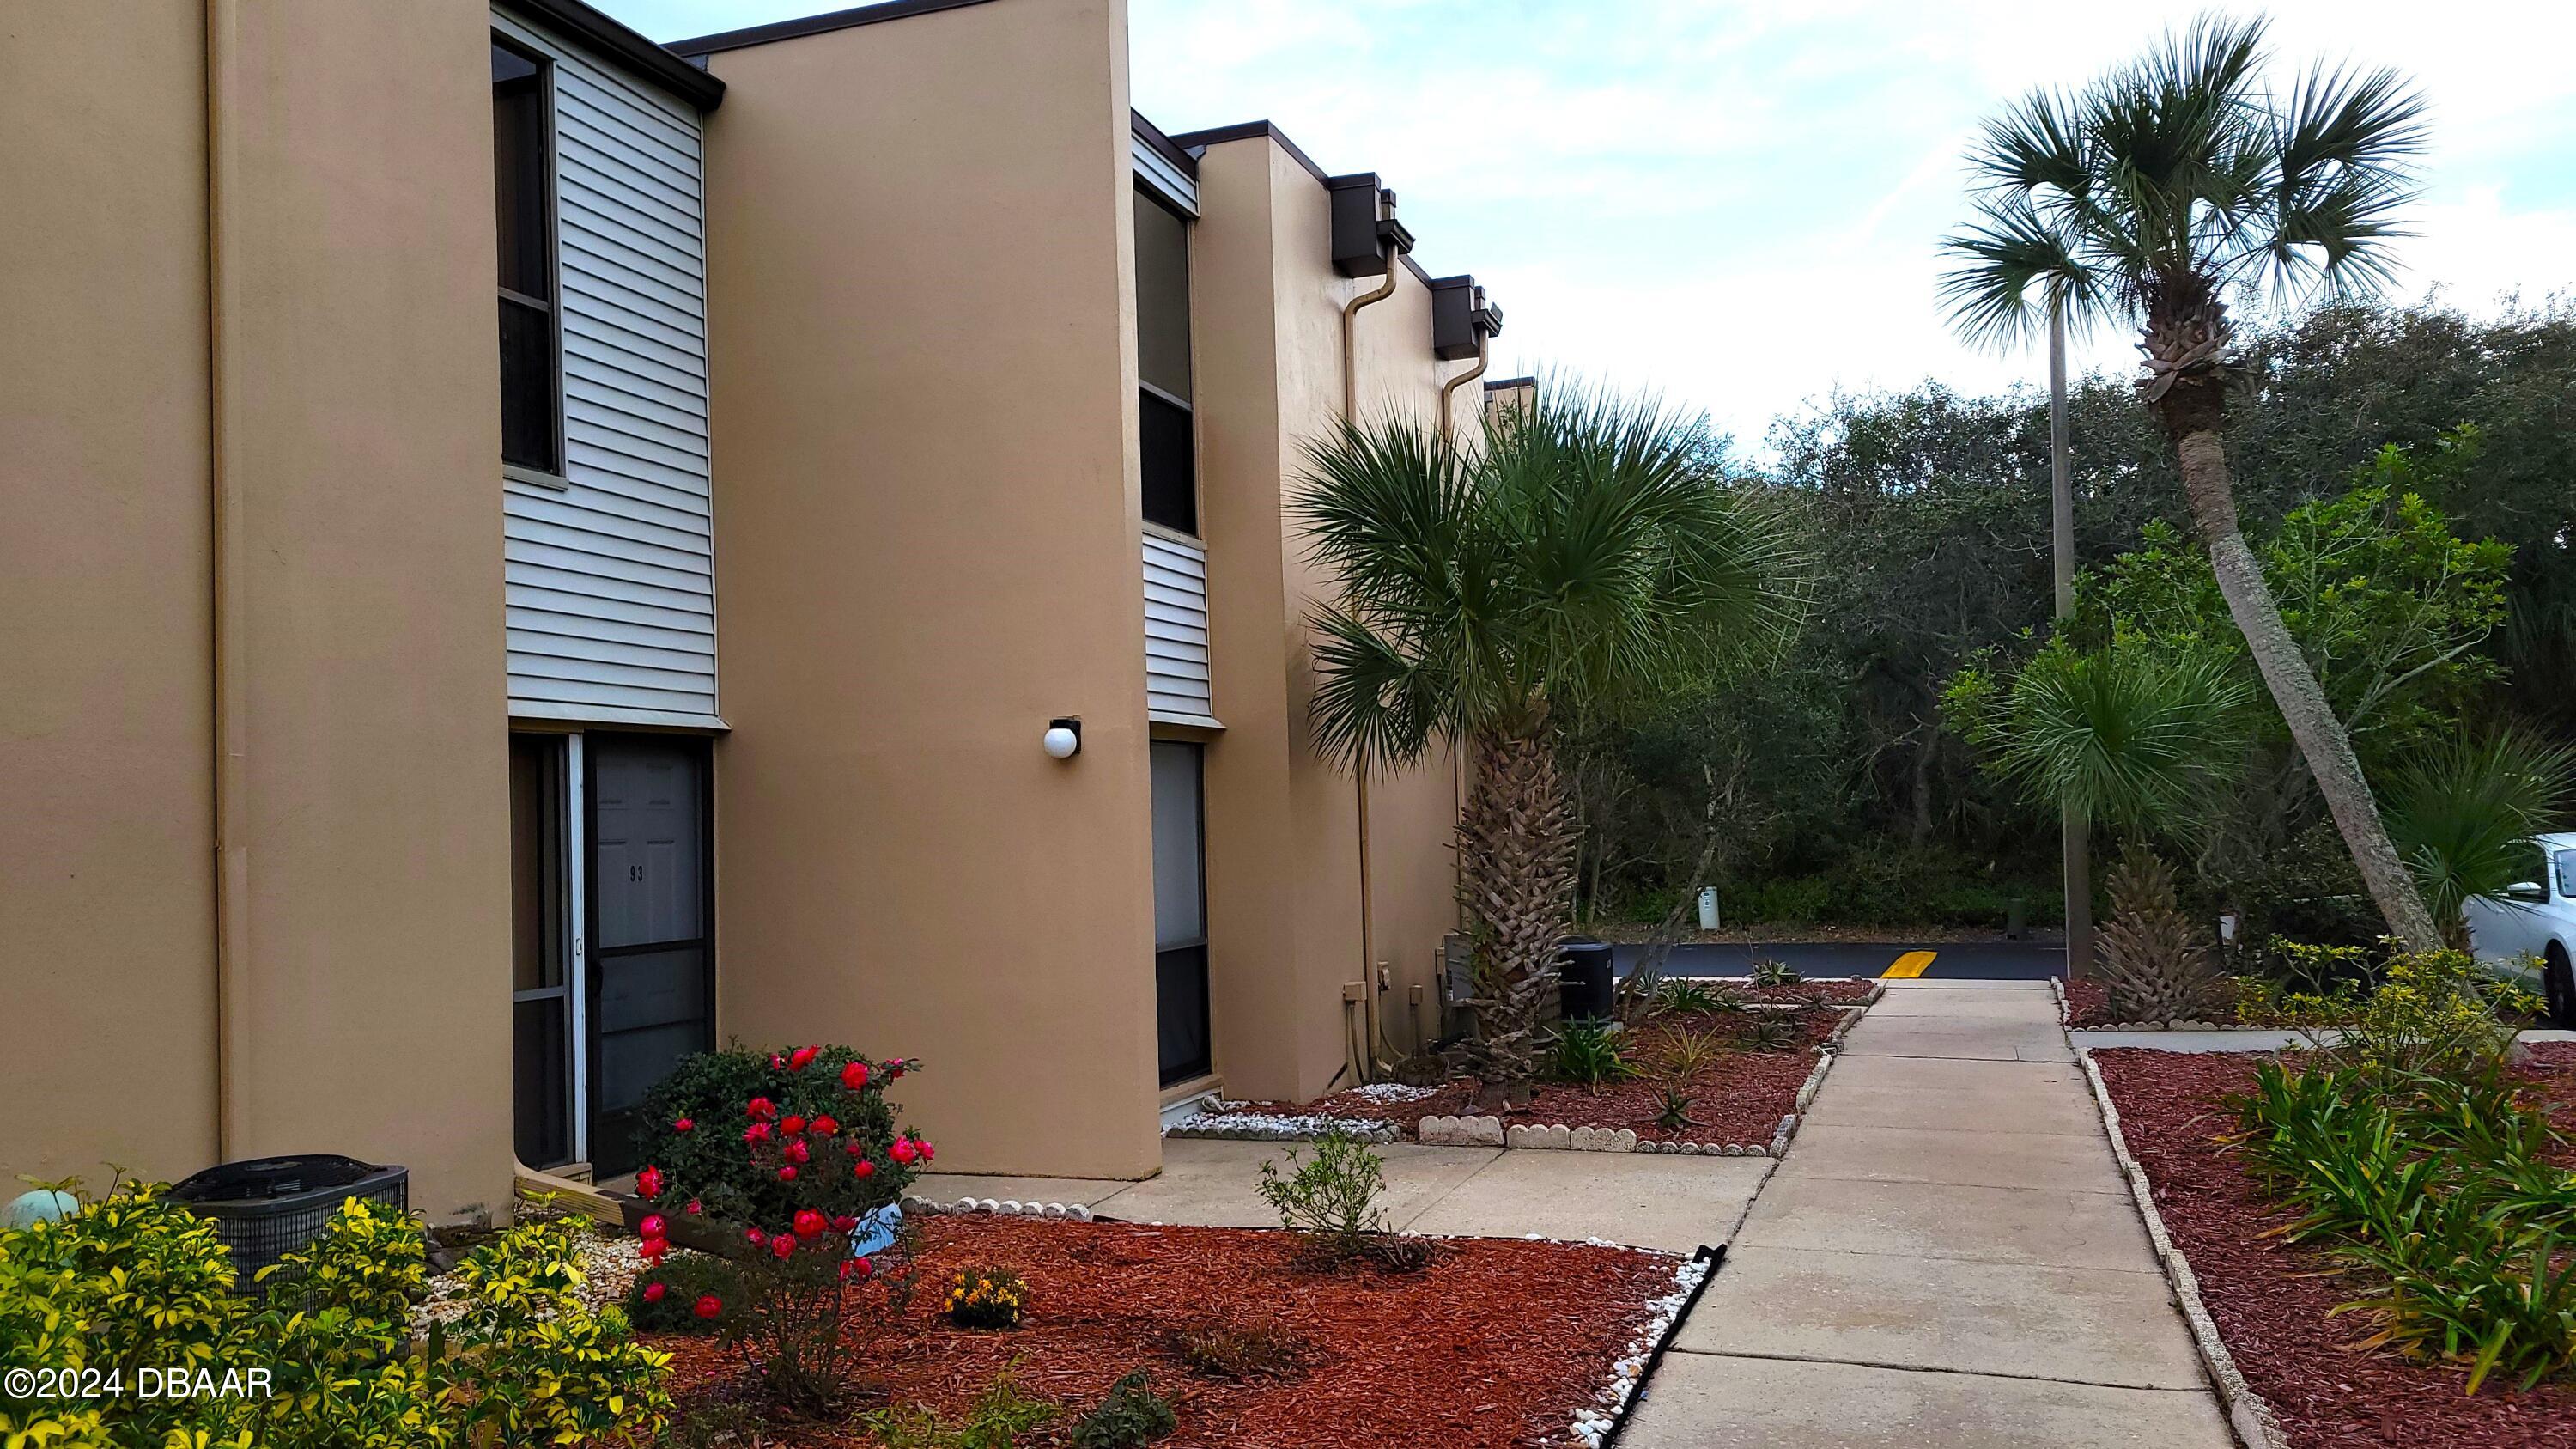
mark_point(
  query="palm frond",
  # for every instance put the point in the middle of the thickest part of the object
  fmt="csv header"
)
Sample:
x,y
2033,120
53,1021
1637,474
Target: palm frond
x,y
2131,735
2459,816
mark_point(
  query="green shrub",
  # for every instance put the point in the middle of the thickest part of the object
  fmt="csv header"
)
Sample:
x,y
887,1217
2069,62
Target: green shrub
x,y
1682,996
1590,1053
2442,1187
134,1281
1330,1196
985,1298
1771,1031
1673,1110
1686,1053
1133,1414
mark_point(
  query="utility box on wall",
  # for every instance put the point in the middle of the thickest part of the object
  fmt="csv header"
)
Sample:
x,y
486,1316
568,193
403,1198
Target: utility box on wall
x,y
1364,226
1461,318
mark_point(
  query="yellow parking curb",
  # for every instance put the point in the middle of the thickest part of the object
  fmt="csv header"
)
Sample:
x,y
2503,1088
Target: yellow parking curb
x,y
1908,966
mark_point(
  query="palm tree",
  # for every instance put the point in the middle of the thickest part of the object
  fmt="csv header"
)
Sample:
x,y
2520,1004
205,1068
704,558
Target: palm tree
x,y
2143,200
1587,555
2463,815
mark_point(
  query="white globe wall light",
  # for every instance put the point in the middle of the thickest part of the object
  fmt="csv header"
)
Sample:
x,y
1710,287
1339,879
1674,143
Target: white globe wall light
x,y
1063,738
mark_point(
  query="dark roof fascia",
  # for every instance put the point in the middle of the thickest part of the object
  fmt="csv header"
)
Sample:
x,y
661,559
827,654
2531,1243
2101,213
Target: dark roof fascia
x,y
1245,131
1500,383
634,51
1197,141
1162,145
822,24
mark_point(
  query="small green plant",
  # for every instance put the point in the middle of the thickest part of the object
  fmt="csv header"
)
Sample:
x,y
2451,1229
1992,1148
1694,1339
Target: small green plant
x,y
1330,1196
998,1419
1769,972
1242,1351
1673,1110
718,1426
1682,996
1590,1053
1132,1415
1685,1054
1769,1031
985,1298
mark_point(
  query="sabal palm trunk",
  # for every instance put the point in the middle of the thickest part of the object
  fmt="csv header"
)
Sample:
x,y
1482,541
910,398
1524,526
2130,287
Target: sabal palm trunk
x,y
1516,848
2320,736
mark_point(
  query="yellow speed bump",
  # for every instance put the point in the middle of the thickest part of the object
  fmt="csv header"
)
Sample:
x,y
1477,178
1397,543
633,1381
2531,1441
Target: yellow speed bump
x,y
1908,966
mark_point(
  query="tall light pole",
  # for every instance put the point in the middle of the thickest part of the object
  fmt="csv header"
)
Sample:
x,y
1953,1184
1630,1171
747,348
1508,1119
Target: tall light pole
x,y
2075,850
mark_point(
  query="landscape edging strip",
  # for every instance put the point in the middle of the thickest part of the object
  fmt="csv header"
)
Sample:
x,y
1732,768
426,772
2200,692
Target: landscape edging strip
x,y
2247,1413
1655,1359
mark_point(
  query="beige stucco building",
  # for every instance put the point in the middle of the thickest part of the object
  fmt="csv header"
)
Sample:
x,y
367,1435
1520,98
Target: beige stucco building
x,y
410,754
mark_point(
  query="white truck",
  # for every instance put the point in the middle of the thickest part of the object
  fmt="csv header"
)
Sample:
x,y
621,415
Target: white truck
x,y
2536,920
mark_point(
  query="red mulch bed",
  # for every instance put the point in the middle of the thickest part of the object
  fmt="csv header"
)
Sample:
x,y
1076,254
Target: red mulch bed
x,y
1495,1343
2271,1310
1739,1098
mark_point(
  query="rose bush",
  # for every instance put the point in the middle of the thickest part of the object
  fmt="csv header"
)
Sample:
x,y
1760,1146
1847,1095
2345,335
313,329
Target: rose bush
x,y
788,1159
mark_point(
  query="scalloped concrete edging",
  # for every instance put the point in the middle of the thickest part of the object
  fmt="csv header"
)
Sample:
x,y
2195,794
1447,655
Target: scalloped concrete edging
x,y
1073,1212
2247,1413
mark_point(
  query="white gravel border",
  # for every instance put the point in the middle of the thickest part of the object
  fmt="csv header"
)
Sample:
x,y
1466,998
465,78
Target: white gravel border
x,y
1009,1207
2247,1413
1592,1426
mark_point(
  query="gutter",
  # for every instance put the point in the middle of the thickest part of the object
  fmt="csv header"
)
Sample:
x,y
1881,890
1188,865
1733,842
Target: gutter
x,y
1362,1063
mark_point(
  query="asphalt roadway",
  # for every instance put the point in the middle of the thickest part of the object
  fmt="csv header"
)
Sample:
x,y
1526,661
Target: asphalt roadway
x,y
1952,960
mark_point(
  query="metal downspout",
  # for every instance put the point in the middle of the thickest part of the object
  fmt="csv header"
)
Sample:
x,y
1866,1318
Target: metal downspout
x,y
1363,1064
1484,353
229,681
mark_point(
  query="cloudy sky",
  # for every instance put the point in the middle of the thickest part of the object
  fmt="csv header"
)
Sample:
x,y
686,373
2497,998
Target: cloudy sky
x,y
1740,203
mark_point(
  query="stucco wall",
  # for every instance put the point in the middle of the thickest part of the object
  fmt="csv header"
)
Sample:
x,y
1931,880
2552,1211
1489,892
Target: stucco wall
x,y
106,878
926,514
352,415
1283,849
359,432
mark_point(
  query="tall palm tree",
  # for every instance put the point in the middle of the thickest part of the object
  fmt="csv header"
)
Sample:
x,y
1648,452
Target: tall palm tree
x,y
1587,555
2143,200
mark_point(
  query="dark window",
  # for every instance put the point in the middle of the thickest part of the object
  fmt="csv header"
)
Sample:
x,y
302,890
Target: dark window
x,y
531,387
1180,911
1166,434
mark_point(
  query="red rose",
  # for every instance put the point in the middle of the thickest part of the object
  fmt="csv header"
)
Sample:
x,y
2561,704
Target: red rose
x,y
758,1238
867,1266
844,1223
783,1246
808,1223
845,1270
924,1149
694,1209
855,1075
803,1057
709,1306
902,1150
863,1168
649,1183
756,1132
653,1292
787,1173
777,1063
894,1071
654,1248
683,1125
761,1108
652,1226
792,1125
854,1147
824,1126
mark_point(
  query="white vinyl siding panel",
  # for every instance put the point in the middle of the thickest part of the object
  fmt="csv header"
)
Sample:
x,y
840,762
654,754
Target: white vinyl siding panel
x,y
1176,633
611,580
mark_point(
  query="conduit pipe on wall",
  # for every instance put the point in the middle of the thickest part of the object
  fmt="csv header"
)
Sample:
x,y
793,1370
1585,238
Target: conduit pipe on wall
x,y
230,682
1363,1064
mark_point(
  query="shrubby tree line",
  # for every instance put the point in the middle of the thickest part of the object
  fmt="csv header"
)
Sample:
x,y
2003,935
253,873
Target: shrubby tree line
x,y
2407,474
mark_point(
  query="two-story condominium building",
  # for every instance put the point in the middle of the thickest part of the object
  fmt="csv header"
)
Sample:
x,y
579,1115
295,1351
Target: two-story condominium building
x,y
858,599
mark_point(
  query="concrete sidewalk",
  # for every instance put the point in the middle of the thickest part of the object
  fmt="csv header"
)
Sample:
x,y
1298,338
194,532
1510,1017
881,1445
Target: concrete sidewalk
x,y
1645,1200
1948,1255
